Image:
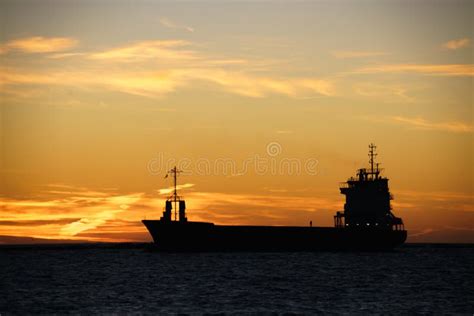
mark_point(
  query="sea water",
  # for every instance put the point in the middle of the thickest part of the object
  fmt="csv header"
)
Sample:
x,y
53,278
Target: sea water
x,y
132,279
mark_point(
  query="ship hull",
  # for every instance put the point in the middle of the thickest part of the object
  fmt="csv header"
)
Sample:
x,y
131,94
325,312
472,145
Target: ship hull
x,y
201,236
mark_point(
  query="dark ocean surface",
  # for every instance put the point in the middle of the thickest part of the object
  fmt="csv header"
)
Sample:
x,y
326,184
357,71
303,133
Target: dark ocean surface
x,y
131,279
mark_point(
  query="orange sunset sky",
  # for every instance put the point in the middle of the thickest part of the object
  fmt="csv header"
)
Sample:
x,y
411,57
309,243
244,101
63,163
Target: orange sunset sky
x,y
266,106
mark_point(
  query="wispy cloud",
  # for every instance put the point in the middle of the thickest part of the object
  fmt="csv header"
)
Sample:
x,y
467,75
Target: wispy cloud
x,y
457,43
60,215
65,55
378,90
38,222
148,84
250,85
140,51
427,69
166,22
420,123
39,44
87,223
345,54
178,187
423,124
161,82
160,67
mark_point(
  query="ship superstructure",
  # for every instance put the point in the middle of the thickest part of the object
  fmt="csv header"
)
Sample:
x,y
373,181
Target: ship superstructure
x,y
368,200
176,200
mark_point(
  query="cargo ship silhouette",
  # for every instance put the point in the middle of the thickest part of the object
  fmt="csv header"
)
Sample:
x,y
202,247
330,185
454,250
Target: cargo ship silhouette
x,y
366,223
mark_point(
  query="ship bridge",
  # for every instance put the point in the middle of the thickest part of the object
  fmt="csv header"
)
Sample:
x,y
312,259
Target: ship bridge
x,y
367,200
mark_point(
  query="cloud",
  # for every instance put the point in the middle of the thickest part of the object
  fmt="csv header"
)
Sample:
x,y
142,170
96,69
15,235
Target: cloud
x,y
159,83
379,90
357,54
178,187
148,84
423,124
88,223
159,68
65,55
420,123
39,44
154,84
426,69
107,210
140,51
259,86
18,240
457,43
38,222
172,25
61,215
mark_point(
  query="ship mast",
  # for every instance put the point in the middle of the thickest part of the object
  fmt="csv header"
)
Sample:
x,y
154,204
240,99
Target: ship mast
x,y
372,156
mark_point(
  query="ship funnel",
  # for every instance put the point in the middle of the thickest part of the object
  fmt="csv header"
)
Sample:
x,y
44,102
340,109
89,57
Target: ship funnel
x,y
182,211
167,212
